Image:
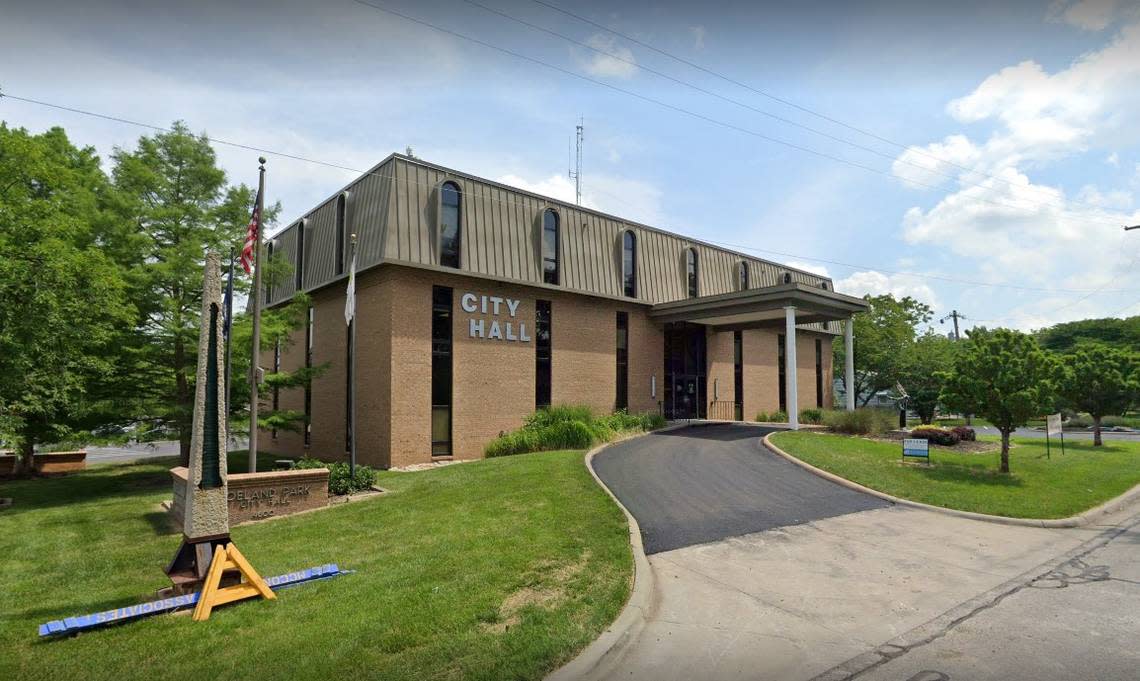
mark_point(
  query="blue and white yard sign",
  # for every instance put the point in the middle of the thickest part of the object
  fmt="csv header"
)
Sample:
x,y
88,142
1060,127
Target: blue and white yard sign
x,y
916,447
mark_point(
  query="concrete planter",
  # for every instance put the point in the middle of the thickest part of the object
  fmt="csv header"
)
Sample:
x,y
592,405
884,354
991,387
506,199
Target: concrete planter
x,y
47,463
257,496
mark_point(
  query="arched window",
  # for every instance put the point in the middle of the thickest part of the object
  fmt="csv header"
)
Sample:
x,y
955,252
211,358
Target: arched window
x,y
787,277
691,271
299,265
823,285
629,264
450,224
341,215
550,246
742,277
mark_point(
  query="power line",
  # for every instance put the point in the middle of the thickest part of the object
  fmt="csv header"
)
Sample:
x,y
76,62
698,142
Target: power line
x,y
856,266
394,178
763,93
744,105
688,112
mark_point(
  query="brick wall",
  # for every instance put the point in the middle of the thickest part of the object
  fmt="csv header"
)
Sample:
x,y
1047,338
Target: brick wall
x,y
493,380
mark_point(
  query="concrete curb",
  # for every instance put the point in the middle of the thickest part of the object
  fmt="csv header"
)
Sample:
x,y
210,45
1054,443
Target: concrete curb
x,y
600,657
1089,517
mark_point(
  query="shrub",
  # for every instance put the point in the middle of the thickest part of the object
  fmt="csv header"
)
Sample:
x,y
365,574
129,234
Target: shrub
x,y
935,435
568,427
811,416
340,481
559,413
774,417
859,422
1079,421
964,433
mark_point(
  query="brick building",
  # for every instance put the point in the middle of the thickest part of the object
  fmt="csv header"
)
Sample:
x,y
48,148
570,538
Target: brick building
x,y
478,303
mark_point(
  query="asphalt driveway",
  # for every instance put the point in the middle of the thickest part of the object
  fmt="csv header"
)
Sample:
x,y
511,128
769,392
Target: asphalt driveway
x,y
705,483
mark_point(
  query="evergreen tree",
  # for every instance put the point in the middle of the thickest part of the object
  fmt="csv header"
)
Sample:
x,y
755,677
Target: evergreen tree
x,y
176,204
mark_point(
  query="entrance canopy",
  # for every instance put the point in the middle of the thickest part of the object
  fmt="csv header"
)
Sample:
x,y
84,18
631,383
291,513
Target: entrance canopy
x,y
761,307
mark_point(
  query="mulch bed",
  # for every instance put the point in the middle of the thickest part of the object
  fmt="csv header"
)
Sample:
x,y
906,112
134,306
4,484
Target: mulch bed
x,y
960,448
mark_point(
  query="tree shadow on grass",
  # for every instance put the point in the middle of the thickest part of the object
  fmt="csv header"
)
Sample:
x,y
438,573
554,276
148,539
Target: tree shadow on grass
x,y
974,474
95,484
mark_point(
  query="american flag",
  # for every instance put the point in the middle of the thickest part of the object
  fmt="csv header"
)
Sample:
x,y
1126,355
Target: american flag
x,y
252,235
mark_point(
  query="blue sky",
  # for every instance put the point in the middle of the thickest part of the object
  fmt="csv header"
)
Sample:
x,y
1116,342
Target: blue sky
x,y
1014,132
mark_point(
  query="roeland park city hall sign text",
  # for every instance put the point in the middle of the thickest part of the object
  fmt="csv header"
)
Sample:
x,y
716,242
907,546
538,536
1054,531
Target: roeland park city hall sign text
x,y
498,320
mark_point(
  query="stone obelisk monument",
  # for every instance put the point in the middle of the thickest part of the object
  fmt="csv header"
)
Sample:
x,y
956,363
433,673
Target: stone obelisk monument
x,y
206,521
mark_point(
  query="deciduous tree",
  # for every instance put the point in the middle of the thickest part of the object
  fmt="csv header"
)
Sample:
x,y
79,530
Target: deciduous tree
x,y
884,335
1100,380
1003,376
63,303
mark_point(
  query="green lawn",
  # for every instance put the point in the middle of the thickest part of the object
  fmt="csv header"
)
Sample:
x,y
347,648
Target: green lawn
x,y
501,569
1036,487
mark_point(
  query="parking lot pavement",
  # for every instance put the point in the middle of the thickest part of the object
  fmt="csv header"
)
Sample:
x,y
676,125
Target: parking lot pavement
x,y
1076,619
704,483
848,594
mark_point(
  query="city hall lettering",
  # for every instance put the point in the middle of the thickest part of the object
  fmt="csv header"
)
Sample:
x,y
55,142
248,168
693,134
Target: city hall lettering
x,y
510,329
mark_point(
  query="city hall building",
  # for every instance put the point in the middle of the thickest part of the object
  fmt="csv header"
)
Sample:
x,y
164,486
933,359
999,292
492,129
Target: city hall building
x,y
478,303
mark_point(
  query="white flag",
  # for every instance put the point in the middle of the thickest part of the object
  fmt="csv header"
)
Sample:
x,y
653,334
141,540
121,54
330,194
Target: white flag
x,y
350,295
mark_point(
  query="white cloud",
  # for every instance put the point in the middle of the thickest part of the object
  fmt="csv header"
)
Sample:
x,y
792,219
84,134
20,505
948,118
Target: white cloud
x,y
556,186
635,200
698,37
877,283
1090,15
1113,159
809,267
1009,227
618,62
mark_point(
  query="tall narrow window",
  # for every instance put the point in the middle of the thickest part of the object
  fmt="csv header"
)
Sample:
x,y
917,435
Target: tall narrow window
x,y
629,264
276,390
621,398
450,224
550,246
738,375
341,214
348,377
743,275
299,266
691,271
441,371
265,299
542,354
780,350
308,381
819,373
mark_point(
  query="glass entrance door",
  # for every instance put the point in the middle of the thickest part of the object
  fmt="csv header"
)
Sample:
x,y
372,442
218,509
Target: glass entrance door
x,y
685,372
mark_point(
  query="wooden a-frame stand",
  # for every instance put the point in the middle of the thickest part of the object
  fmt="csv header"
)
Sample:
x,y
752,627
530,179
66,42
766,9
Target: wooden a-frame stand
x,y
228,558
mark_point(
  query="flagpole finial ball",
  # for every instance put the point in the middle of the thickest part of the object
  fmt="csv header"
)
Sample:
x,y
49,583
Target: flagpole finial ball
x,y
261,160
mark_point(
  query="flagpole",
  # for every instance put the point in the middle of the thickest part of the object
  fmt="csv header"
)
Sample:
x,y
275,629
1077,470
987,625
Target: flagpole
x,y
352,368
255,364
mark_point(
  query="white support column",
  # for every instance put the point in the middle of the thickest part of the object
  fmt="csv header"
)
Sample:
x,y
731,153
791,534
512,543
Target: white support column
x,y
790,368
849,360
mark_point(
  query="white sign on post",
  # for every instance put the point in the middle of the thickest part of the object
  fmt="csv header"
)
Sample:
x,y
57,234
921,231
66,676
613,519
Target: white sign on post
x,y
916,447
1053,424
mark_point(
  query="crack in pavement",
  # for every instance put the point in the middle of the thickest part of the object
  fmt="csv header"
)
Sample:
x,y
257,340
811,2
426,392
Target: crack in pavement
x,y
941,626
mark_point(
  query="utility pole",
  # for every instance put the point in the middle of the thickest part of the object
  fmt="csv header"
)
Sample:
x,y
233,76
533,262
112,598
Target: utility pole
x,y
955,315
576,172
